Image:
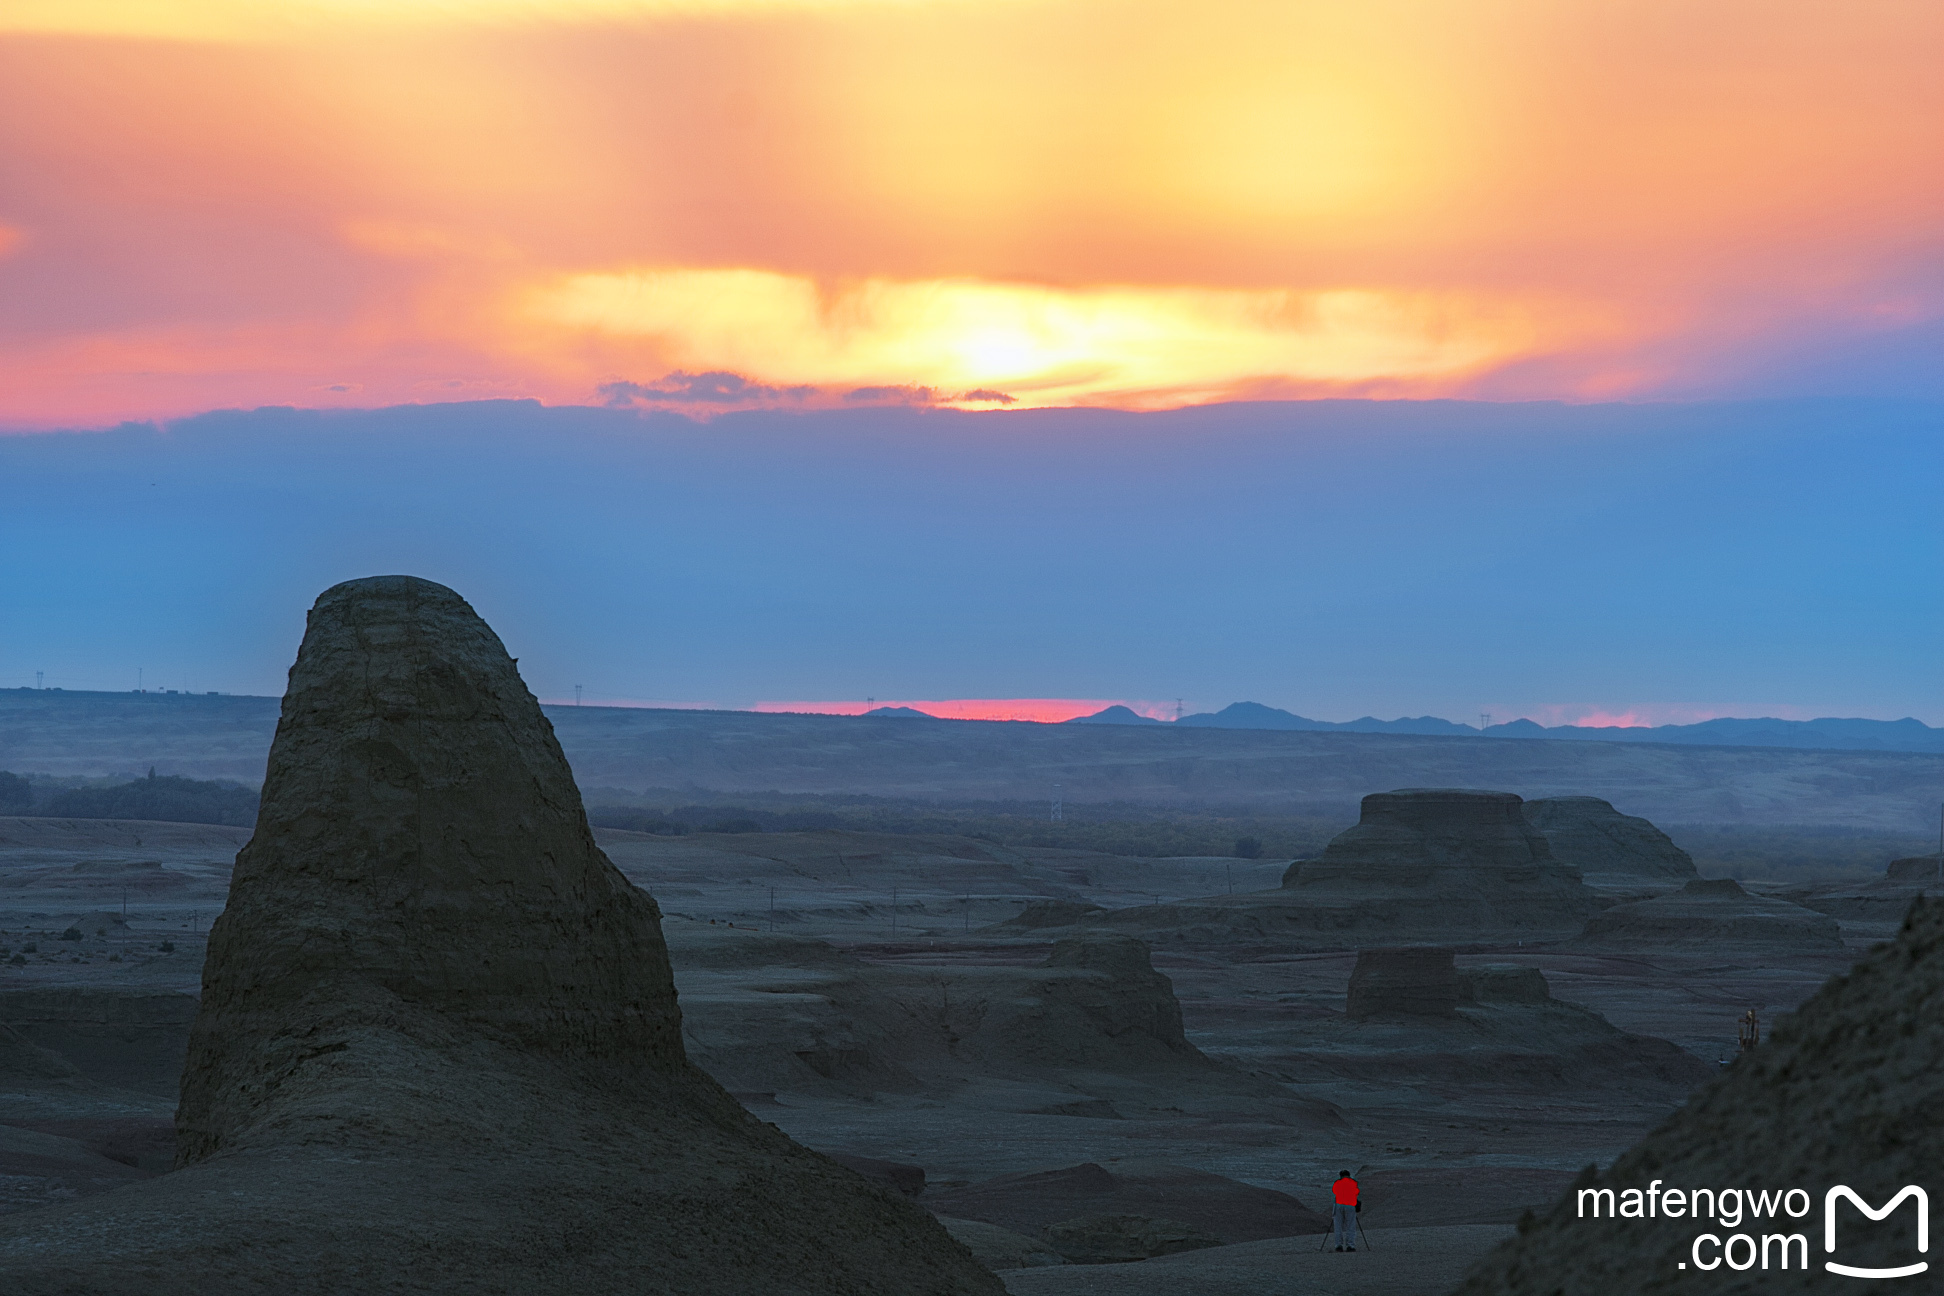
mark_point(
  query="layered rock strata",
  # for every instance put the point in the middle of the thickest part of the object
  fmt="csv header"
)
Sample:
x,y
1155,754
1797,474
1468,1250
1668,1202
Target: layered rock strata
x,y
439,1048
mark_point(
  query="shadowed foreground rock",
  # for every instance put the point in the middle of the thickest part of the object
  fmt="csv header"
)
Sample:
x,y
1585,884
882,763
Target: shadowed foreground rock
x,y
439,1049
1847,1091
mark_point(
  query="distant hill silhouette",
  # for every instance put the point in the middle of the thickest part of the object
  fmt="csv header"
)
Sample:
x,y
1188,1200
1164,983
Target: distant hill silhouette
x,y
901,713
1830,734
1114,715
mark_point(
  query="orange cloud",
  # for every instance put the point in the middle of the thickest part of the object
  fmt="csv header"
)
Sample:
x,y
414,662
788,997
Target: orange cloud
x,y
1134,204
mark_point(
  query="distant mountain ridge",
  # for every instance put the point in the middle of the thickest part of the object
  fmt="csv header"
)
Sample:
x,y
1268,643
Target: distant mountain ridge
x,y
1829,734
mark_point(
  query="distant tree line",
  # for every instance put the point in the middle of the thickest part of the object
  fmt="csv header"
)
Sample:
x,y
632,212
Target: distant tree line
x,y
167,798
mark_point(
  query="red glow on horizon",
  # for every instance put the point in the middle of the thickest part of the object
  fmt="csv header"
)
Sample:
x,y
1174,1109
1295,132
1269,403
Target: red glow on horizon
x,y
1036,710
1651,715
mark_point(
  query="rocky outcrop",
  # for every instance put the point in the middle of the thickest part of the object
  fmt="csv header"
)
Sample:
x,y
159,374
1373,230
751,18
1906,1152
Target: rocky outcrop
x,y
1441,859
1454,837
1714,914
1843,1092
779,1013
1422,981
1503,983
1416,982
1917,870
1603,844
439,1048
1412,1016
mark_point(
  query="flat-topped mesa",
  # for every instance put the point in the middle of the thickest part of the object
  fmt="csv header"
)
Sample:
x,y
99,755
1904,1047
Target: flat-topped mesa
x,y
1438,864
1916,869
1591,836
421,856
1428,837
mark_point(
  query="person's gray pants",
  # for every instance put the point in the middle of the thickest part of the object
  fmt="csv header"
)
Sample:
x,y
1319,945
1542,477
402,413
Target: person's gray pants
x,y
1345,1233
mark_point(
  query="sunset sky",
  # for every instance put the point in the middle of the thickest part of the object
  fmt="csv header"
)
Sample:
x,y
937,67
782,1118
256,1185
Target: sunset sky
x,y
1646,297
994,204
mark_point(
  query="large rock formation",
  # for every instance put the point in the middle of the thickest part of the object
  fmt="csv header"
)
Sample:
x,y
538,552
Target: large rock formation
x,y
1715,915
1604,844
1845,1091
1414,1018
781,1014
1416,982
1442,859
439,1048
1421,865
1917,870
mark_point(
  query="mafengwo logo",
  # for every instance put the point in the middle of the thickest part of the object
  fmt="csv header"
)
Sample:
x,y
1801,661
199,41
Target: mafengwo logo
x,y
1742,1251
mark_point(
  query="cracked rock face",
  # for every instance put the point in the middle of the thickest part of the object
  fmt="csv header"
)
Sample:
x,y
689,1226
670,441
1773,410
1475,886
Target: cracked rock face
x,y
438,1048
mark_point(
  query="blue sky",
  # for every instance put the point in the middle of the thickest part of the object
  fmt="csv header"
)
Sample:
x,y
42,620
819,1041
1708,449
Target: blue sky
x,y
1335,558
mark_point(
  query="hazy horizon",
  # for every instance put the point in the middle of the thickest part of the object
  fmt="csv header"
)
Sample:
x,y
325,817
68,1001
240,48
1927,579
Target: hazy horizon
x,y
1665,563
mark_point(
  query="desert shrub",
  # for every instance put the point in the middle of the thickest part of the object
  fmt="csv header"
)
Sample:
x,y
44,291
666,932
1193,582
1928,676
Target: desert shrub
x,y
30,948
18,960
167,947
168,798
72,933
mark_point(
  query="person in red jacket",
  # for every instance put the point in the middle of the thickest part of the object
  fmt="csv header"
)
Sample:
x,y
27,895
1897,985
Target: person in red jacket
x,y
1347,1206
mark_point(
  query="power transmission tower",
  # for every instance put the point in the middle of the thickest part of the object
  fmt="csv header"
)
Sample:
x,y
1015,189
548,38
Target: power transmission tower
x,y
1058,815
38,676
577,693
1177,709
1484,721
